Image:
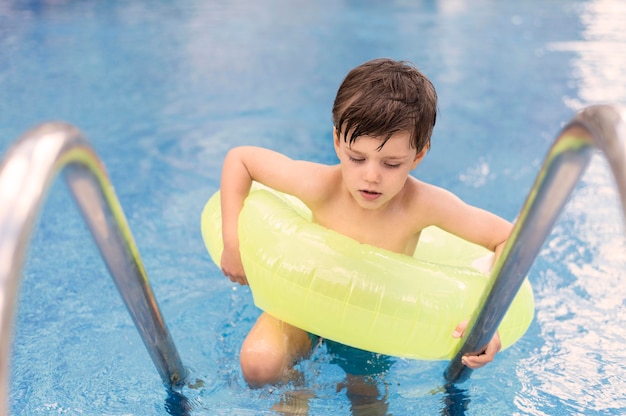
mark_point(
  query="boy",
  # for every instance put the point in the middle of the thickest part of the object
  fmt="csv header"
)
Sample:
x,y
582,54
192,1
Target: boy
x,y
383,115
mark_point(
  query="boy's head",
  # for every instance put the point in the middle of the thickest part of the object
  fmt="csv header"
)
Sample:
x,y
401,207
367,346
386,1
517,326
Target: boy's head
x,y
382,97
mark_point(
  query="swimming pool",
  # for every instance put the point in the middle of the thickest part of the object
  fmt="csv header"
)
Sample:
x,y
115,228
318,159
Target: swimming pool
x,y
163,89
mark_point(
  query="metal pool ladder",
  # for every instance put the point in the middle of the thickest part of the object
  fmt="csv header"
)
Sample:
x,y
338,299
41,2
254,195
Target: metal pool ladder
x,y
600,127
25,176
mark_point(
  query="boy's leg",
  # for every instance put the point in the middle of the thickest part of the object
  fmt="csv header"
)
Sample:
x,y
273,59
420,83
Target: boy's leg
x,y
270,350
364,396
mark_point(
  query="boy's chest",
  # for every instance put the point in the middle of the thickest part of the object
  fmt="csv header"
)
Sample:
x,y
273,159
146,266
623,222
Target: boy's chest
x,y
391,232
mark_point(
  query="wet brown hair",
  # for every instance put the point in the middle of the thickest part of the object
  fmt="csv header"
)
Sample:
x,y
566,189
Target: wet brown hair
x,y
382,97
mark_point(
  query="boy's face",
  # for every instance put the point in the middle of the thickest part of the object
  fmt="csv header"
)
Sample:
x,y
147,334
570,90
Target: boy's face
x,y
375,175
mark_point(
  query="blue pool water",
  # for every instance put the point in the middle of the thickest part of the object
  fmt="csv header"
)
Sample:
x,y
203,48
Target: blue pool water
x,y
163,89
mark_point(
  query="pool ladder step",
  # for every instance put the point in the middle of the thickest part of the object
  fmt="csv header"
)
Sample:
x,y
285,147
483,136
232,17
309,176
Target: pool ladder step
x,y
26,174
601,127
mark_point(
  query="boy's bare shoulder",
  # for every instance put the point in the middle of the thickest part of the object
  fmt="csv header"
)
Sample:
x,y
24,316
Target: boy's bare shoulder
x,y
425,199
319,182
423,191
418,192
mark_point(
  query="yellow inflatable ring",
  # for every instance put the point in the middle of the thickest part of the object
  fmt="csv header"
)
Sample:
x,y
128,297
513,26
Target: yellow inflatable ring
x,y
330,285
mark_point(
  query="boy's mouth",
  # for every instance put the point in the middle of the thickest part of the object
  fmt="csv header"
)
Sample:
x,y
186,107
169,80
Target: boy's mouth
x,y
369,195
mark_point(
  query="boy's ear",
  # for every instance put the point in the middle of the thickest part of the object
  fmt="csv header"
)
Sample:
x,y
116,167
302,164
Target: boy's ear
x,y
336,140
418,157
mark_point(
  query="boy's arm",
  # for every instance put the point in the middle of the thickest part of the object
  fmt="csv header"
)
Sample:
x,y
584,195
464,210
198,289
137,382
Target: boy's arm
x,y
242,165
450,213
234,188
478,226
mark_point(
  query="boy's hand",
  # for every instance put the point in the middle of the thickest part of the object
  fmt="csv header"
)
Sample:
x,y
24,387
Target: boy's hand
x,y
487,356
232,267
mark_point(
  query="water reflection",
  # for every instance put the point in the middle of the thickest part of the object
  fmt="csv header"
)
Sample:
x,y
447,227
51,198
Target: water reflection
x,y
177,404
455,401
598,67
367,395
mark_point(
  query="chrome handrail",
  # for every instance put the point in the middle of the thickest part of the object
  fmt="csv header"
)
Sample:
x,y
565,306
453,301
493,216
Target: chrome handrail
x,y
600,127
26,174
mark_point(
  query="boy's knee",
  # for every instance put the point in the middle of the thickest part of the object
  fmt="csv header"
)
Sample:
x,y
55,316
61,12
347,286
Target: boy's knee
x,y
261,366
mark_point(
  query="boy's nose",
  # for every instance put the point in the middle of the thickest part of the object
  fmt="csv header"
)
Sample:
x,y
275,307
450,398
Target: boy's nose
x,y
372,173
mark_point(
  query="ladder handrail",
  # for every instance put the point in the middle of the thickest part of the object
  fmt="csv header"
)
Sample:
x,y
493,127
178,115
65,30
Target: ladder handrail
x,y
600,127
26,173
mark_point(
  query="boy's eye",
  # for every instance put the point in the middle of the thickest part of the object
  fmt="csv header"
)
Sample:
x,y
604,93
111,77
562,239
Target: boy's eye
x,y
392,165
355,159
